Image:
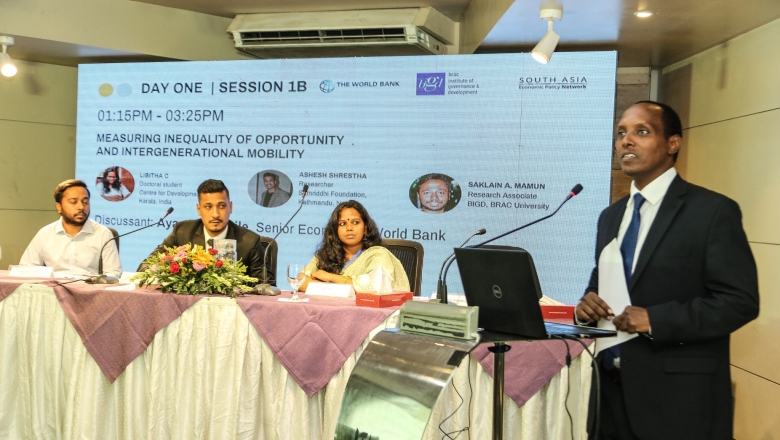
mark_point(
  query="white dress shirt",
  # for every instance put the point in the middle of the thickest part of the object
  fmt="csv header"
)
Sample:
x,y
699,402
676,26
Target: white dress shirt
x,y
653,193
78,255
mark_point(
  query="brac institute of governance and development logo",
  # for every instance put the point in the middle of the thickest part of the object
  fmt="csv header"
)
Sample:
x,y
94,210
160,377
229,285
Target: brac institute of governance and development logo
x,y
327,86
105,90
431,83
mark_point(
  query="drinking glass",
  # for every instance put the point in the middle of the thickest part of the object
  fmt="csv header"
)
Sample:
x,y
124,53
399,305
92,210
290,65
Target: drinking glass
x,y
295,276
226,248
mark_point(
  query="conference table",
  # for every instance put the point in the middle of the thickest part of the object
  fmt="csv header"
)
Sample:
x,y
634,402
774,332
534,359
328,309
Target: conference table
x,y
84,361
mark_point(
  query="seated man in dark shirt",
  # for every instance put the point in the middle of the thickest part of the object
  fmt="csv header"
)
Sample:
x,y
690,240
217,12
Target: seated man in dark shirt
x,y
214,208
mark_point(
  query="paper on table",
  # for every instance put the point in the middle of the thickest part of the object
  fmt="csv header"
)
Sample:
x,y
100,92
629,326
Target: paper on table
x,y
613,290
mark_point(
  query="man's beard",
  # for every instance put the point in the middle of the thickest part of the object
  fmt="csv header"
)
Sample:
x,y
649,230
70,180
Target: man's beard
x,y
72,221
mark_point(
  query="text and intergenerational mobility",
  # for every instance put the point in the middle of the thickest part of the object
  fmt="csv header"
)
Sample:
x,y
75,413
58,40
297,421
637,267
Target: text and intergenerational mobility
x,y
210,145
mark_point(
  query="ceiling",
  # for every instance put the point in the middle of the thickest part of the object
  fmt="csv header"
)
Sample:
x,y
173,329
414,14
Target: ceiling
x,y
677,30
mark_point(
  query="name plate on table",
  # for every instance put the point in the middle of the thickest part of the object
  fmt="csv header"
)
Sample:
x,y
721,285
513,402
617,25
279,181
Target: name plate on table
x,y
31,271
330,289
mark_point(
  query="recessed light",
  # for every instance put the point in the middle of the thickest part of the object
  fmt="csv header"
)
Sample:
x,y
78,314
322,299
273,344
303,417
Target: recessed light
x,y
643,14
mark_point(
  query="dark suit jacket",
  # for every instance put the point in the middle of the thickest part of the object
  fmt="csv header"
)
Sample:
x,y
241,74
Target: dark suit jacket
x,y
249,248
696,277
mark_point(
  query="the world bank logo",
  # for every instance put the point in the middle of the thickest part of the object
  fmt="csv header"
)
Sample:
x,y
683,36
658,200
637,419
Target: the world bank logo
x,y
327,86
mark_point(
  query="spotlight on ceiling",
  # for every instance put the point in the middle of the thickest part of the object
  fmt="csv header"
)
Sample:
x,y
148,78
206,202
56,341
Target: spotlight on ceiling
x,y
7,67
643,14
544,50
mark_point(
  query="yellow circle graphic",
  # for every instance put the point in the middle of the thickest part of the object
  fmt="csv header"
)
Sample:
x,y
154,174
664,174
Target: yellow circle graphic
x,y
105,90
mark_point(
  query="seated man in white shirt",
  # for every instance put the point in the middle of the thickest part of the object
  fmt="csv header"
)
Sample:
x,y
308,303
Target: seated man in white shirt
x,y
71,245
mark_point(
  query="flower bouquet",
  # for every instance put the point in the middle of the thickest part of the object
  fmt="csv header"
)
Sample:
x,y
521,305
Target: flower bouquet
x,y
191,270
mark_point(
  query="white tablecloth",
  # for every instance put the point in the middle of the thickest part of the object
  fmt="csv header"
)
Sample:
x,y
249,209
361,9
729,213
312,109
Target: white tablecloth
x,y
209,375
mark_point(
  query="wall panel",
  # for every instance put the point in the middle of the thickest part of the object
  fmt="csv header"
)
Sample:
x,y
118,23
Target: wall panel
x,y
754,418
754,346
729,99
37,150
740,158
734,79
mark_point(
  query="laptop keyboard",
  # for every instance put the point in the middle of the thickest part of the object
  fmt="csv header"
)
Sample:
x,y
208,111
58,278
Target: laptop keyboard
x,y
554,328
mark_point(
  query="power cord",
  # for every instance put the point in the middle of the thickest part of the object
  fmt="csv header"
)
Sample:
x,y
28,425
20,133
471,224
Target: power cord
x,y
67,282
568,385
598,384
458,432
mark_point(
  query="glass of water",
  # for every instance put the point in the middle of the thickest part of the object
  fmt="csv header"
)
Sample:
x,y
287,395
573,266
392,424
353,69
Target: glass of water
x,y
295,276
226,249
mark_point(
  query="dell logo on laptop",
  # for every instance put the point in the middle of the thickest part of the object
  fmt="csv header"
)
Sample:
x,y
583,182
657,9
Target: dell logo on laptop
x,y
497,291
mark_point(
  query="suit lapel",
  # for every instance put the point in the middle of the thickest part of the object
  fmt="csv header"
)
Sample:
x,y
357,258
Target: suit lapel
x,y
231,232
197,237
613,221
669,207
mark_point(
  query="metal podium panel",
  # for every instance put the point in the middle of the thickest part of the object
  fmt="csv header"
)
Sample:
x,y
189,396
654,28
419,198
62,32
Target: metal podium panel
x,y
395,385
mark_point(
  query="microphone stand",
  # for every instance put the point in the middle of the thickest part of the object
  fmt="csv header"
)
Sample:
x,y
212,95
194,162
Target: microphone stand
x,y
100,278
441,286
265,288
574,191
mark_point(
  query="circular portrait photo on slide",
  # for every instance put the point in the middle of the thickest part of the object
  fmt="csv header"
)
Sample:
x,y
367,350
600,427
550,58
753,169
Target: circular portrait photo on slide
x,y
434,193
270,188
115,184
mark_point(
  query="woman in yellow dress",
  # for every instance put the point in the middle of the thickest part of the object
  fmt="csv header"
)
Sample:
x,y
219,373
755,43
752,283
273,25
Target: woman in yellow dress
x,y
351,246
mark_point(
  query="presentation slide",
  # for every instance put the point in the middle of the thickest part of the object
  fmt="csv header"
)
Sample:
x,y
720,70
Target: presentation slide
x,y
435,147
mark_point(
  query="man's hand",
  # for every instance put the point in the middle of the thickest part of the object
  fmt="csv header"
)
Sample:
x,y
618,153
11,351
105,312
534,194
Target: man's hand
x,y
633,320
592,308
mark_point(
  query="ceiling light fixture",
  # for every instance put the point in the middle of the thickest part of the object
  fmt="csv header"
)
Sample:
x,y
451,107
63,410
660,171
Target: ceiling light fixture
x,y
544,50
643,14
7,67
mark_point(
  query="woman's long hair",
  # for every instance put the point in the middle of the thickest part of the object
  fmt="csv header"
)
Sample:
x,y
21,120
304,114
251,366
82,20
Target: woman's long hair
x,y
117,183
330,254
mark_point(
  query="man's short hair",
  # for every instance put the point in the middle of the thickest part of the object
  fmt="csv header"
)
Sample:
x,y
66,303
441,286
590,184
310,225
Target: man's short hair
x,y
276,177
70,183
669,119
212,186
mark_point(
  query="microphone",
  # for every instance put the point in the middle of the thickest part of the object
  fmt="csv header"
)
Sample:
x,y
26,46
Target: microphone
x,y
441,286
265,288
106,279
574,191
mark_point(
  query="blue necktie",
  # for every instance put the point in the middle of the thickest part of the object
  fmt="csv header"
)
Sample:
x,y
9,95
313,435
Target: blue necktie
x,y
627,250
628,247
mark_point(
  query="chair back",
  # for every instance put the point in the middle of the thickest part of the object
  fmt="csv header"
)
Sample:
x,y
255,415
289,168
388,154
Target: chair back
x,y
410,254
116,237
268,241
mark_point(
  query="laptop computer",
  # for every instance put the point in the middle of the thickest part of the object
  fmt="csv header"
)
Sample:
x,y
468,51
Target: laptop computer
x,y
504,285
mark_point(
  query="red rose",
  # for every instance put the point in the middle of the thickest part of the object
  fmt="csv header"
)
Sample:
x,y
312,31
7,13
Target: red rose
x,y
174,267
213,251
218,263
183,260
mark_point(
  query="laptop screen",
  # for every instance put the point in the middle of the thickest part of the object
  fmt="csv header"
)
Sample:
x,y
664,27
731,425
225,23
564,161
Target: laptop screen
x,y
503,283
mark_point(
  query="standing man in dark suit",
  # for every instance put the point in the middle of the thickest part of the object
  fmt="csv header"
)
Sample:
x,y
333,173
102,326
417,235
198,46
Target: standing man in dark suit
x,y
214,208
692,281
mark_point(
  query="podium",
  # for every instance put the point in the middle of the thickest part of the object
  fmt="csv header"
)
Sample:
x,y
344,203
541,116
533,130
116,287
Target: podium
x,y
395,385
